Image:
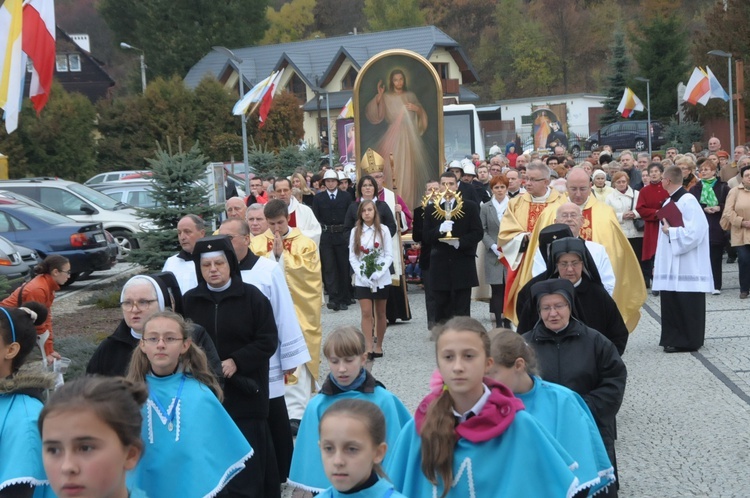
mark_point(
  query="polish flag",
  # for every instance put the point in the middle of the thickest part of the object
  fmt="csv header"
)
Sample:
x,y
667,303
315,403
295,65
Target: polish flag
x,y
11,62
698,89
265,105
39,44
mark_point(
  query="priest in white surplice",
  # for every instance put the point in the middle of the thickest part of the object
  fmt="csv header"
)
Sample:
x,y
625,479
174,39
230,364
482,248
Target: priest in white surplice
x,y
300,216
682,270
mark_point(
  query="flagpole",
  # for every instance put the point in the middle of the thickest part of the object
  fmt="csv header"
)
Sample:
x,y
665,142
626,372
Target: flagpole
x,y
648,106
728,55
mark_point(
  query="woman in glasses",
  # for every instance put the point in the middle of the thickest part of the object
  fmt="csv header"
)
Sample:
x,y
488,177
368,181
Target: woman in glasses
x,y
142,297
578,357
51,274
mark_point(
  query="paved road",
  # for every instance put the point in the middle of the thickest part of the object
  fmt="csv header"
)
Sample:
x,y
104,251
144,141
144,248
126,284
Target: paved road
x,y
96,277
684,427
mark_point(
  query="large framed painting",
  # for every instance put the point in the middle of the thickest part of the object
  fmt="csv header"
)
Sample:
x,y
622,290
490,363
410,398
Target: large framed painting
x,y
398,110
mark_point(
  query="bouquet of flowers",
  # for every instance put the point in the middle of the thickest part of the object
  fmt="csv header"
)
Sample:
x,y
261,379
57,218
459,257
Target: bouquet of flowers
x,y
370,263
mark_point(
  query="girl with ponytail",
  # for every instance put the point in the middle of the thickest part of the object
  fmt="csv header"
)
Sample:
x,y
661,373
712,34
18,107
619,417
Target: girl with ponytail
x,y
22,386
453,447
187,432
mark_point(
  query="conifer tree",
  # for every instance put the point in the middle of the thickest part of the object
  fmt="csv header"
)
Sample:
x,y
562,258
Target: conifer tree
x,y
619,66
177,191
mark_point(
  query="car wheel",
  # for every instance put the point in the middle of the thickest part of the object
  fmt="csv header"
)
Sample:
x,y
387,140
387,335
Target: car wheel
x,y
575,150
640,145
594,145
125,241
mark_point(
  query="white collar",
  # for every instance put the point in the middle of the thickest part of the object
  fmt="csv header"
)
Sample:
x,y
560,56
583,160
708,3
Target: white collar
x,y
332,192
477,408
219,289
542,198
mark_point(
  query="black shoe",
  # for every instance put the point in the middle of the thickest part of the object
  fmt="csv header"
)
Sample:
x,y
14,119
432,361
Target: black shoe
x,y
333,306
673,349
376,355
654,293
294,425
351,302
731,260
343,307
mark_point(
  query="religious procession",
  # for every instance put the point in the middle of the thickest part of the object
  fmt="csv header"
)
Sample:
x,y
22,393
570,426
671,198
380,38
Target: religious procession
x,y
417,319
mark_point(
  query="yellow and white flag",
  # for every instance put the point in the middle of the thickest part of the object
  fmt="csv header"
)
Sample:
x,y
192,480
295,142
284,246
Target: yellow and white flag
x,y
11,61
629,103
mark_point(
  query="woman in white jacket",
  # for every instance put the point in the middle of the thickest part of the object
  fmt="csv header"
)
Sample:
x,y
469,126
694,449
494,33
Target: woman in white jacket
x,y
623,200
371,257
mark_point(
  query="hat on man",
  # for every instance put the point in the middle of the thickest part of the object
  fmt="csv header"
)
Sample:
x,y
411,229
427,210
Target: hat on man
x,y
372,162
331,174
342,177
455,165
722,153
470,169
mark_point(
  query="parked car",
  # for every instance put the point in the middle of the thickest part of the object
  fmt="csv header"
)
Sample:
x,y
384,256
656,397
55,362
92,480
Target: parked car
x,y
12,264
136,193
110,176
83,204
84,244
628,135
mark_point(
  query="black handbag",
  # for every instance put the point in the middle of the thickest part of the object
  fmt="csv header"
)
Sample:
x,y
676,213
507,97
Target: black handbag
x,y
638,223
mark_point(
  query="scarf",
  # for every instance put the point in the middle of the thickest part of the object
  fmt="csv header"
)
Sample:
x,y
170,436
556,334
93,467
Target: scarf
x,y
355,383
686,181
708,196
500,207
496,416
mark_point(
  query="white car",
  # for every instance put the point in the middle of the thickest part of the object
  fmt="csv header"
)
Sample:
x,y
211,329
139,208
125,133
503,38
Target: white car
x,y
84,204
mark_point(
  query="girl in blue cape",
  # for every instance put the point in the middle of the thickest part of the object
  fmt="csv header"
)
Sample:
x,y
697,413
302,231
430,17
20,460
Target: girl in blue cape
x,y
471,438
352,446
345,351
21,391
91,434
561,411
193,448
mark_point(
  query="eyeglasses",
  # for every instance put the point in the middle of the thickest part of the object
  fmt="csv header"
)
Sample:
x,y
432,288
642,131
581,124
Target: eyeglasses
x,y
556,307
535,179
64,271
569,264
169,340
141,304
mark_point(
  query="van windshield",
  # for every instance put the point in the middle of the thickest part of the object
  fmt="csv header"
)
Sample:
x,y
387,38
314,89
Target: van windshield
x,y
97,198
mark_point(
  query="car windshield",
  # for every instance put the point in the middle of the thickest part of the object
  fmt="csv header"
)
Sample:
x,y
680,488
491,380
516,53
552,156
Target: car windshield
x,y
95,197
44,215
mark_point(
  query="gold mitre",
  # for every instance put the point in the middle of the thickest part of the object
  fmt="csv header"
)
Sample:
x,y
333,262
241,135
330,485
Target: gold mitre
x,y
372,162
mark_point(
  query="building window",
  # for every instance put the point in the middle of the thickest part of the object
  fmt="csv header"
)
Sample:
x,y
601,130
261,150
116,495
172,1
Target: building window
x,y
298,88
62,63
442,69
74,62
347,83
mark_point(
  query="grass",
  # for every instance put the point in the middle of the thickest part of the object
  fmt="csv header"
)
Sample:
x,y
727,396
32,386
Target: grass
x,y
79,350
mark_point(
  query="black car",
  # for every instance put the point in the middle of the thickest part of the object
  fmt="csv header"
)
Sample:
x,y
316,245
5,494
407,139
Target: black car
x,y
84,244
628,135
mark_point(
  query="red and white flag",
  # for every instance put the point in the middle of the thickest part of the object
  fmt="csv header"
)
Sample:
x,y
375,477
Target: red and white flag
x,y
38,42
698,89
265,105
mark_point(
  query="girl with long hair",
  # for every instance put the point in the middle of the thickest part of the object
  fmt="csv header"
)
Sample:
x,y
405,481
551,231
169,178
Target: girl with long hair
x,y
470,420
187,431
371,256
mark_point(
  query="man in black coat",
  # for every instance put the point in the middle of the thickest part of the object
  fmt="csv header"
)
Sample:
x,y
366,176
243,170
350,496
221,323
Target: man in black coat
x,y
239,319
329,207
578,357
453,270
431,188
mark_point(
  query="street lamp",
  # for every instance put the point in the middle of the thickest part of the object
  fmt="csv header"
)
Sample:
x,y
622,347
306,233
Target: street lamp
x,y
721,53
648,107
143,62
243,118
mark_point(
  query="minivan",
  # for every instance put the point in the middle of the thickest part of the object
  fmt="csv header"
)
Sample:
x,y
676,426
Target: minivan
x,y
628,135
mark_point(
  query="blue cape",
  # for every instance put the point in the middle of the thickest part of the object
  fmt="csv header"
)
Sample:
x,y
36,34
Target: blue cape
x,y
565,415
307,466
20,438
523,461
381,489
202,453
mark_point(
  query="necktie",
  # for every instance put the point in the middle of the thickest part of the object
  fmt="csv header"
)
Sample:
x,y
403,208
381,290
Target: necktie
x,y
333,197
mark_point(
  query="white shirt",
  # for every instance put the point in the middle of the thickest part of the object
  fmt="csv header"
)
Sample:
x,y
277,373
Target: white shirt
x,y
184,272
386,256
474,410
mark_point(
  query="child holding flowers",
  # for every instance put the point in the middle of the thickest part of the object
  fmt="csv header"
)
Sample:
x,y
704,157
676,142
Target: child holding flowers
x,y
371,256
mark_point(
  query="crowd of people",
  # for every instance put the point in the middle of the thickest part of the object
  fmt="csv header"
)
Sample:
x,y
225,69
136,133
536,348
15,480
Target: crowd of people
x,y
223,348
